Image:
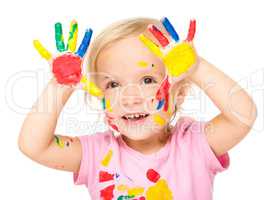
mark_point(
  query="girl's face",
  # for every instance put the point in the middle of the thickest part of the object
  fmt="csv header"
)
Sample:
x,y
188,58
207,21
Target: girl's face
x,y
130,75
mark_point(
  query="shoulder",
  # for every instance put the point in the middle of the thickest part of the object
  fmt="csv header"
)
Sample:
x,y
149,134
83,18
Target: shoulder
x,y
96,142
185,125
191,136
93,146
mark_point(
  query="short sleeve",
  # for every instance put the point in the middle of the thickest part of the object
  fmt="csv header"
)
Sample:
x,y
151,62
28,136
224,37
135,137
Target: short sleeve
x,y
214,163
92,146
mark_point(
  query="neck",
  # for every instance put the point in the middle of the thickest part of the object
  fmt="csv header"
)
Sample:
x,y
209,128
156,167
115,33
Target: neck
x,y
149,145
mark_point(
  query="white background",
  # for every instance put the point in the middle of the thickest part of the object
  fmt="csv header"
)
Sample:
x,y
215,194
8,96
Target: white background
x,y
233,35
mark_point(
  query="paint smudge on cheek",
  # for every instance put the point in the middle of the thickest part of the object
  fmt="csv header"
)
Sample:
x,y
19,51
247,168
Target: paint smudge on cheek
x,y
111,124
106,105
162,95
158,119
160,104
165,108
103,102
163,90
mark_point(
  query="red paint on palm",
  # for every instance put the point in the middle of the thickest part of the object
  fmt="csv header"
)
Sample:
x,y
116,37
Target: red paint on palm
x,y
67,69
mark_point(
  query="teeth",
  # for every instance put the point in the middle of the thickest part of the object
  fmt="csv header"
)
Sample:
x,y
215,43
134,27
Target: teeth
x,y
133,116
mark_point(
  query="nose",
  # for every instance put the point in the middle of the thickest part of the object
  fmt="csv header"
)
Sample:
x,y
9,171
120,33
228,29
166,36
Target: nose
x,y
131,96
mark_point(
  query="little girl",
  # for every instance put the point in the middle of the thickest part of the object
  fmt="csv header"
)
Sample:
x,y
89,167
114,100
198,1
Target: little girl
x,y
141,155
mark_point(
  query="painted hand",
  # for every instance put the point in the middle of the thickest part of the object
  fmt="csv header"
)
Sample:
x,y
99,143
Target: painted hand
x,y
67,65
178,57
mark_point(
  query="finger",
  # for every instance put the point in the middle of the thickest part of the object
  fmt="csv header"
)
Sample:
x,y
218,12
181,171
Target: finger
x,y
44,53
59,39
151,46
158,35
73,36
170,29
192,29
90,87
85,43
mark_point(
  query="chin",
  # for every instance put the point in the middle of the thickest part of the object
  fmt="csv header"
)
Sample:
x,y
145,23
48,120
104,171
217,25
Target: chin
x,y
139,130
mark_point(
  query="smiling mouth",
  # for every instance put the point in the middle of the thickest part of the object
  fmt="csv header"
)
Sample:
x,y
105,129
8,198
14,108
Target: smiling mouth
x,y
135,116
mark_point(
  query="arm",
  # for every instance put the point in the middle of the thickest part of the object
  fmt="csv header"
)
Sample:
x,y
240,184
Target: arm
x,y
237,109
37,139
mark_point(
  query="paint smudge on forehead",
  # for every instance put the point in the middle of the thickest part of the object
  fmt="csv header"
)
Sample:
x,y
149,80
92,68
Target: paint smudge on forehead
x,y
142,63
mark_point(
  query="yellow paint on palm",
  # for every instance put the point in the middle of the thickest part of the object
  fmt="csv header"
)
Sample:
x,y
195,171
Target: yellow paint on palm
x,y
135,191
160,191
90,87
44,53
142,63
73,36
151,46
158,119
179,59
105,162
122,188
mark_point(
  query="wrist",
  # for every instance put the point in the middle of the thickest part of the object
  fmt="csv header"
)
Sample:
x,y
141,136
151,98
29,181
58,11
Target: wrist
x,y
193,75
64,88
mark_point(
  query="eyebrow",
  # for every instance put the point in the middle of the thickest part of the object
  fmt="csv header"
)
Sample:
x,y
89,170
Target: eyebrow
x,y
142,71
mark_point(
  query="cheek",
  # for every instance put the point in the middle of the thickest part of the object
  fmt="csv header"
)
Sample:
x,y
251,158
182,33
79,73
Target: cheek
x,y
110,102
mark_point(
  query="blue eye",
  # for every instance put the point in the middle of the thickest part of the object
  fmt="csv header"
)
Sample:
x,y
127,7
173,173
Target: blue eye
x,y
112,84
149,80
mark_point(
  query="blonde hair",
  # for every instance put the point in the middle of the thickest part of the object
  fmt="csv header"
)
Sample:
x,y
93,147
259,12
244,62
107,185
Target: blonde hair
x,y
115,32
118,31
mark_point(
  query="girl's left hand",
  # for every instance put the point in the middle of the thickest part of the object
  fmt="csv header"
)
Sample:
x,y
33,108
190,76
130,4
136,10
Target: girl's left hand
x,y
179,58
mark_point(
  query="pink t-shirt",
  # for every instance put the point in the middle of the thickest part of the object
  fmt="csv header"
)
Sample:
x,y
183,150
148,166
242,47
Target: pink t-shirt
x,y
183,169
